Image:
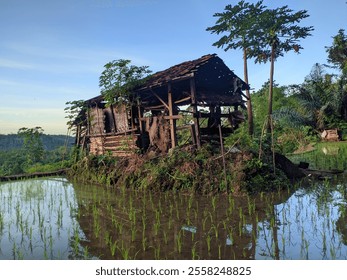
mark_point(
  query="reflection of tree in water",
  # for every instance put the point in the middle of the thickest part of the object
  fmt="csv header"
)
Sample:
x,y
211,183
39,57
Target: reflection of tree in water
x,y
129,222
341,227
328,192
341,223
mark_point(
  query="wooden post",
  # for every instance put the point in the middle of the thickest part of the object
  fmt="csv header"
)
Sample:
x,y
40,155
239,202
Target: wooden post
x,y
114,118
223,157
195,112
88,122
192,133
172,120
140,116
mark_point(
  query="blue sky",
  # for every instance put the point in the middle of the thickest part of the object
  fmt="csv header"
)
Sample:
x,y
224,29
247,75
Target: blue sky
x,y
52,52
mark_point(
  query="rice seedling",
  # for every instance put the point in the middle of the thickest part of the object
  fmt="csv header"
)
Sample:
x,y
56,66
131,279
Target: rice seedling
x,y
107,237
133,232
204,221
125,252
195,255
86,253
214,228
157,252
179,242
190,202
214,203
208,242
144,243
113,247
144,222
177,213
251,206
165,237
96,229
195,213
76,240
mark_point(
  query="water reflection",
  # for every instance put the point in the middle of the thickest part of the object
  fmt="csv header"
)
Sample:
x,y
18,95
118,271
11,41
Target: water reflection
x,y
56,219
37,220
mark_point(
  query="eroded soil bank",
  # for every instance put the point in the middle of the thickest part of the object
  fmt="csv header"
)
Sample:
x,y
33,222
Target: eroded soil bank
x,y
199,171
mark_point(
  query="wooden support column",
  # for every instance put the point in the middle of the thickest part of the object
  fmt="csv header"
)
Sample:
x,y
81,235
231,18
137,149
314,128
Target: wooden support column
x,y
113,118
223,156
172,120
195,112
88,122
139,111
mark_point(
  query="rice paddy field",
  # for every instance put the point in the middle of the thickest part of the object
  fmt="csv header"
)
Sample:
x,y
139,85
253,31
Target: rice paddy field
x,y
53,218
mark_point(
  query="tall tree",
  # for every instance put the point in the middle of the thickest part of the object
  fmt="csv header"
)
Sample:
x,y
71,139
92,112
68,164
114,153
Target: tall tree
x,y
337,53
240,25
280,34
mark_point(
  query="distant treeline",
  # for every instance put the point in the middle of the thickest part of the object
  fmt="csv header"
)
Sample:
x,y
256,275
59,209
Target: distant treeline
x,y
50,142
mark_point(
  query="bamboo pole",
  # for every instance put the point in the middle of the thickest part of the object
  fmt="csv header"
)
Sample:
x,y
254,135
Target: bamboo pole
x,y
195,112
223,156
172,120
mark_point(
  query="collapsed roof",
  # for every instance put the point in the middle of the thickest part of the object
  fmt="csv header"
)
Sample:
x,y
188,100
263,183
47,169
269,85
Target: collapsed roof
x,y
215,83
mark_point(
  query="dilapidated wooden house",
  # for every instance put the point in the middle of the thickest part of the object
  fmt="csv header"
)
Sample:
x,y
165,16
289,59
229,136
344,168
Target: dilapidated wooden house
x,y
204,91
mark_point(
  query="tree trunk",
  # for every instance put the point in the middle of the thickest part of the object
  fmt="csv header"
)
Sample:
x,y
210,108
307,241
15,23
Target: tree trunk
x,y
269,122
249,101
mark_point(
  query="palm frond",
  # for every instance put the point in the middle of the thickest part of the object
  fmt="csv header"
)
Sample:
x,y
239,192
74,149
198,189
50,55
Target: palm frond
x,y
290,117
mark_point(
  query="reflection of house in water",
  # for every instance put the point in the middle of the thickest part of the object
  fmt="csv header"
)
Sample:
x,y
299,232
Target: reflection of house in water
x,y
233,230
151,120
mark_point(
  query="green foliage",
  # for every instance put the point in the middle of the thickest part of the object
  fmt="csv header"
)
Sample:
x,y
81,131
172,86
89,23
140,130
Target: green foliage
x,y
54,156
11,162
32,144
240,25
15,161
74,110
97,169
260,30
199,171
337,53
281,99
50,142
324,156
118,80
318,103
242,139
281,32
291,139
260,176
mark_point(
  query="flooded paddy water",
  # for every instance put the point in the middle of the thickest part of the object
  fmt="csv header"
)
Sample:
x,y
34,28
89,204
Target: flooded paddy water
x,y
53,218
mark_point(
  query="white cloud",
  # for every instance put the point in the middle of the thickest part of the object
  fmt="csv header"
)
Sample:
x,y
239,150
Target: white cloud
x,y
7,63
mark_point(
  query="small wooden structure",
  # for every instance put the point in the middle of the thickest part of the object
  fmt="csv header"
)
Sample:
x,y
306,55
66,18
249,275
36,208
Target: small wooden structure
x,y
167,96
330,135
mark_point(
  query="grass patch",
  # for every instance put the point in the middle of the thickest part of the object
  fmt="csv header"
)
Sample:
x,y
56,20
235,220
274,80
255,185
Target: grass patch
x,y
325,156
195,171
